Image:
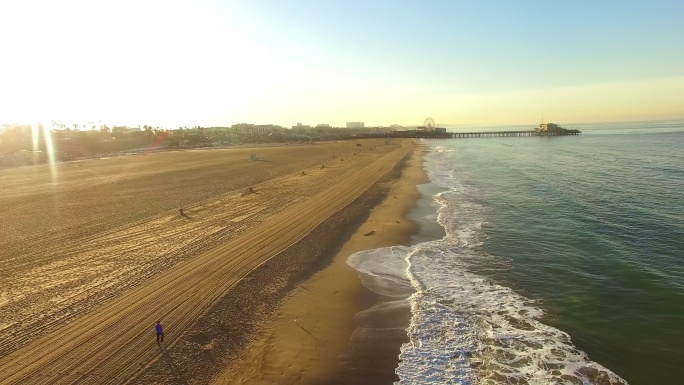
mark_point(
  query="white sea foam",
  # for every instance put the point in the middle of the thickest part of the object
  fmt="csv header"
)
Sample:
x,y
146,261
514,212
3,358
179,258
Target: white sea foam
x,y
464,328
383,270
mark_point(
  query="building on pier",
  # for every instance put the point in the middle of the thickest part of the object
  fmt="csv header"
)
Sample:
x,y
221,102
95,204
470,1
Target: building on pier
x,y
543,127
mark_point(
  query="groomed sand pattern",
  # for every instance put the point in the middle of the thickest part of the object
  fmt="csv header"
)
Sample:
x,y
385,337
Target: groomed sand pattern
x,y
165,265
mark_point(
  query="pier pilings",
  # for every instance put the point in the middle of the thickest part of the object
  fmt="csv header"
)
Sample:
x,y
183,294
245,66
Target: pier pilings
x,y
491,134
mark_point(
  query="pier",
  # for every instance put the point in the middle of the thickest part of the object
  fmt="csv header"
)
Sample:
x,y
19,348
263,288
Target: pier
x,y
464,135
491,134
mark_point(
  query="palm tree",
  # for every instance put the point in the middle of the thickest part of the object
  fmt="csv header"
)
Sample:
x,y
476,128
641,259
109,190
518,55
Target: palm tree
x,y
148,133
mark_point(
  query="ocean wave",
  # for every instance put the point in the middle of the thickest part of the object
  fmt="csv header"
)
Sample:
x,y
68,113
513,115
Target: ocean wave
x,y
464,328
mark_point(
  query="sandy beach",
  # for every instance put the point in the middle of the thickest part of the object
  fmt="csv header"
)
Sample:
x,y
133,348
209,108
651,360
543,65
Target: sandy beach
x,y
313,326
94,252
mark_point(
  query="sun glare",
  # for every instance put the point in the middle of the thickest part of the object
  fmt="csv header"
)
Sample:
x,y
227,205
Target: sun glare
x,y
49,146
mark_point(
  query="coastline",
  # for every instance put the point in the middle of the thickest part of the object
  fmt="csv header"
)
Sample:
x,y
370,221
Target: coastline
x,y
313,326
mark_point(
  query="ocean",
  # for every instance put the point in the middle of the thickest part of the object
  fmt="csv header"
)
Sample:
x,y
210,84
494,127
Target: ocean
x,y
545,260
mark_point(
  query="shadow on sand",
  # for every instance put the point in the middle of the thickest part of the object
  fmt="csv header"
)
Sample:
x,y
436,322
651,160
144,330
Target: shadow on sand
x,y
167,361
249,191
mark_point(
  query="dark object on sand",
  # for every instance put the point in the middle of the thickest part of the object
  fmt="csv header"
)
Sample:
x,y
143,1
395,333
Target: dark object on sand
x,y
160,333
183,214
251,190
369,233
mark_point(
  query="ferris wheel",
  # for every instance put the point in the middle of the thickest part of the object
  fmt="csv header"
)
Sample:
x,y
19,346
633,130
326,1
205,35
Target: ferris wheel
x,y
429,124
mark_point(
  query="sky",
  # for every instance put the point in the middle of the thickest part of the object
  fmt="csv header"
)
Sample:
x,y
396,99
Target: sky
x,y
216,63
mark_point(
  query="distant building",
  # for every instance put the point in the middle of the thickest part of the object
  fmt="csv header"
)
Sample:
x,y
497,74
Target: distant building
x,y
263,129
258,129
242,127
302,126
379,130
126,129
323,125
543,127
431,128
355,125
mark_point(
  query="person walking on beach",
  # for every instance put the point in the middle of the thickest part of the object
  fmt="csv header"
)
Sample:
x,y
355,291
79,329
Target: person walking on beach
x,y
160,333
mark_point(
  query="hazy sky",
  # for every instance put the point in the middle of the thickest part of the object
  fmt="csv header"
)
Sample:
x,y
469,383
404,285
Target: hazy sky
x,y
171,63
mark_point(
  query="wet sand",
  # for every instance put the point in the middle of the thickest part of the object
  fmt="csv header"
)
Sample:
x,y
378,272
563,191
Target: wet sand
x,y
314,337
95,252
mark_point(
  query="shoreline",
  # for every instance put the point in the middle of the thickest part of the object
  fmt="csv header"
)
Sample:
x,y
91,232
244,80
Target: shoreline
x,y
311,331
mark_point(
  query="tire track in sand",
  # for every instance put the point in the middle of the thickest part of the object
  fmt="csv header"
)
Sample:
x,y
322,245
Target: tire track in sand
x,y
112,343
100,266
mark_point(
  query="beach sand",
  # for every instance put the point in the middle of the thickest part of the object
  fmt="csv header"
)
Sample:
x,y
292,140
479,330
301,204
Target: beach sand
x,y
313,326
94,252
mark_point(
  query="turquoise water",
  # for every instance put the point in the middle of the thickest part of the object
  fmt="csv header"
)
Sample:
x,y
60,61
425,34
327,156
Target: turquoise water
x,y
592,228
561,260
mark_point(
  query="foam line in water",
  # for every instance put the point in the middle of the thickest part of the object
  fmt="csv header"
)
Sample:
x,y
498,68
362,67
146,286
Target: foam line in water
x,y
465,329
